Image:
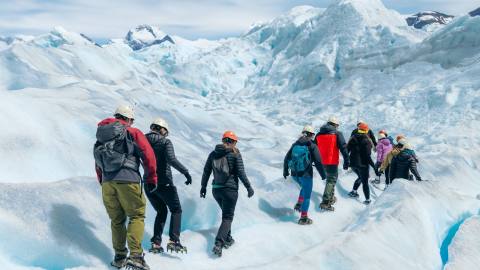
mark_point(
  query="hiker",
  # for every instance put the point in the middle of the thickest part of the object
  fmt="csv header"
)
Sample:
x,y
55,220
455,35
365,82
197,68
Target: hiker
x,y
404,162
371,135
360,146
118,152
227,166
390,138
165,196
330,142
299,160
385,167
384,147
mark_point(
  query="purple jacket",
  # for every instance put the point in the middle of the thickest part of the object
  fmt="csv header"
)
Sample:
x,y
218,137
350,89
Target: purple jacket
x,y
383,148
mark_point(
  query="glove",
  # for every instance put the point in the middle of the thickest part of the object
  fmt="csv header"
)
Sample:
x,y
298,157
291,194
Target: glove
x,y
250,192
377,173
151,187
285,174
189,179
203,192
345,165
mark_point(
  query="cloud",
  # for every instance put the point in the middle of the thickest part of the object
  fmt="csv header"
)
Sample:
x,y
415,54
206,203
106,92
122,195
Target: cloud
x,y
187,18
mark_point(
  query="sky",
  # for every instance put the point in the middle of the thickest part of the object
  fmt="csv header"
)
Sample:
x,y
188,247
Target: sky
x,y
212,19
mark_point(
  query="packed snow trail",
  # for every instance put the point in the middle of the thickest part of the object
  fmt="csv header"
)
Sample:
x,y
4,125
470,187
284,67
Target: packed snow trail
x,y
356,60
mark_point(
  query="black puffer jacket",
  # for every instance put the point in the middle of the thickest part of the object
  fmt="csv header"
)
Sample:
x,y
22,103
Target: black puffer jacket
x,y
235,164
360,146
402,163
314,157
165,155
370,135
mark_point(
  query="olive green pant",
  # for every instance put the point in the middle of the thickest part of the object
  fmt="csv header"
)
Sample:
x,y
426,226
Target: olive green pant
x,y
124,200
332,176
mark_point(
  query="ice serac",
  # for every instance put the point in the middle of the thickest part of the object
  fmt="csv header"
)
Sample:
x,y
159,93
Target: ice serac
x,y
427,19
145,36
347,29
465,247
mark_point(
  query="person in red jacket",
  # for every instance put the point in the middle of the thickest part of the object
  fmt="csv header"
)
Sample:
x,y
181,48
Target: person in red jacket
x,y
118,152
330,142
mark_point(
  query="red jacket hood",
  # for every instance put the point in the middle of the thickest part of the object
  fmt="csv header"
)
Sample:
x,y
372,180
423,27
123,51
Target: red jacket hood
x,y
107,121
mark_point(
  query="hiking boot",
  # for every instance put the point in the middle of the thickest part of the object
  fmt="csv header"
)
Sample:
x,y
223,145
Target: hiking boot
x,y
298,207
305,221
326,206
367,202
136,262
229,242
217,249
119,261
156,248
334,200
353,194
176,246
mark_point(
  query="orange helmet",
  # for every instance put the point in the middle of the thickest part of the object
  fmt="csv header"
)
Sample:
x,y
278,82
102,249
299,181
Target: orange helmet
x,y
229,134
363,126
382,132
400,136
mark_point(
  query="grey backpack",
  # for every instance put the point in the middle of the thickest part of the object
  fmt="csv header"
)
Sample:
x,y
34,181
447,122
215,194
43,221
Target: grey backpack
x,y
115,148
221,170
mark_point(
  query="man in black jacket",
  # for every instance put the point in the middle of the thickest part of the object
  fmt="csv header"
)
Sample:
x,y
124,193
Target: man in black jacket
x,y
371,135
404,163
226,163
165,194
360,147
304,149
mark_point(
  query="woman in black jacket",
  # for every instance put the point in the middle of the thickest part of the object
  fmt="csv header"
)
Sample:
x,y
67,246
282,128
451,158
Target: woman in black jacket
x,y
227,166
360,147
164,196
404,163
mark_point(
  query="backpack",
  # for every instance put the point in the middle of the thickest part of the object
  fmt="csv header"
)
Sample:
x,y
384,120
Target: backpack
x,y
115,148
221,170
300,160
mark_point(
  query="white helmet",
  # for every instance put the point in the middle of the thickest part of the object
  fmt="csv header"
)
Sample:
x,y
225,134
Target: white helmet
x,y
333,120
160,122
308,129
125,111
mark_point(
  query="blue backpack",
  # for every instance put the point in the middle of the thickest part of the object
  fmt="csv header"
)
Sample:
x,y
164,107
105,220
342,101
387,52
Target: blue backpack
x,y
300,159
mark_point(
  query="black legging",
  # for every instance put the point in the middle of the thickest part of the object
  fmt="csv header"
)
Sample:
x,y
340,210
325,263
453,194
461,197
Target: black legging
x,y
227,200
163,197
388,179
363,174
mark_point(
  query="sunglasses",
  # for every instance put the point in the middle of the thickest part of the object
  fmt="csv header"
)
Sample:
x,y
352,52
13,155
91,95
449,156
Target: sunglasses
x,y
228,140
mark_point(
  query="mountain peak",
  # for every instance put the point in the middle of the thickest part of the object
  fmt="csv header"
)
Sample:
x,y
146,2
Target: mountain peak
x,y
146,35
368,12
475,12
427,18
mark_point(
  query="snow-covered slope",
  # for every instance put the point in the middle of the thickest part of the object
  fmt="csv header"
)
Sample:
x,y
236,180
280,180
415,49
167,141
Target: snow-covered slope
x,y
356,59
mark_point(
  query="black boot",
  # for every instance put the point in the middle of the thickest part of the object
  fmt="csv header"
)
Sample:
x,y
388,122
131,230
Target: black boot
x,y
119,261
217,249
353,194
136,262
229,242
298,207
176,246
156,248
